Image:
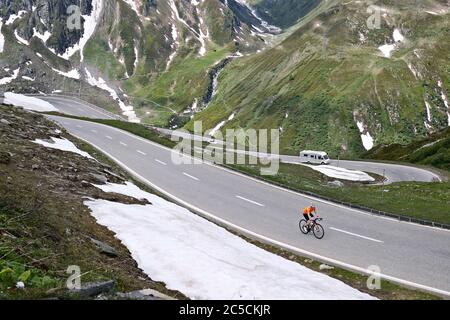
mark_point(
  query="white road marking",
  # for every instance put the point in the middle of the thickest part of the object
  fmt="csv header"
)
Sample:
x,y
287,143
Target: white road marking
x,y
192,177
143,153
78,126
109,137
248,200
122,143
161,162
356,235
94,131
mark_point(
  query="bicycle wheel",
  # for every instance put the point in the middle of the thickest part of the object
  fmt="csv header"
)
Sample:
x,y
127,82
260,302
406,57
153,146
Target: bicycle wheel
x,y
302,227
318,231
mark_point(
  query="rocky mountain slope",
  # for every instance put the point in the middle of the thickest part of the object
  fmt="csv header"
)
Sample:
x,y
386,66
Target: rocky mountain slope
x,y
342,84
337,75
160,52
45,226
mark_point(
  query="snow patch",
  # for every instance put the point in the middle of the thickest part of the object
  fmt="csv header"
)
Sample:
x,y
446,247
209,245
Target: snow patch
x,y
413,70
165,239
13,17
201,37
136,55
398,37
265,24
366,138
44,37
20,39
28,103
221,124
28,78
74,74
63,145
127,110
132,4
7,80
429,119
428,108
342,173
445,100
2,38
387,49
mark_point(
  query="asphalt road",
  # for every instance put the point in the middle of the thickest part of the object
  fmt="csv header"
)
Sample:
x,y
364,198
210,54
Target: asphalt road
x,y
408,253
77,107
392,172
411,253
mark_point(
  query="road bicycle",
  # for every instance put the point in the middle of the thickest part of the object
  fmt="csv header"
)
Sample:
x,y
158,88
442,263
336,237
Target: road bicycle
x,y
314,226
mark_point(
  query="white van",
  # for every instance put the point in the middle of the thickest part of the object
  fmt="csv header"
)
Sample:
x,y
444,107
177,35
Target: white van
x,y
315,157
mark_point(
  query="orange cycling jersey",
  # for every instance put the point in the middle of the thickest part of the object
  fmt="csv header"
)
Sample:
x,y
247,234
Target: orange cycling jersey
x,y
308,210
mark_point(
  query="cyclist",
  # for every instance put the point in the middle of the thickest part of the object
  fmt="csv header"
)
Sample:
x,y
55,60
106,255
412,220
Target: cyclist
x,y
308,214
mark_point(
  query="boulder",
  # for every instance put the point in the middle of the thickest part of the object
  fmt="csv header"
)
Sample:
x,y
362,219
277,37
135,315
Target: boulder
x,y
99,178
93,289
336,183
325,267
5,157
105,248
147,294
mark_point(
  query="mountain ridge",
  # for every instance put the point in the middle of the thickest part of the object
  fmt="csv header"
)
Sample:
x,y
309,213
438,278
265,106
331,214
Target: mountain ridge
x,y
314,70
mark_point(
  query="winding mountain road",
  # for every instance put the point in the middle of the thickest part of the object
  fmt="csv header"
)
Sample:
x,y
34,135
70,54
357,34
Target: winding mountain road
x,y
410,254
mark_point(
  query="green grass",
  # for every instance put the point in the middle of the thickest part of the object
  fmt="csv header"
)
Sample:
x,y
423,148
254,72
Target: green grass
x,y
176,88
428,201
325,87
97,53
15,252
433,151
44,224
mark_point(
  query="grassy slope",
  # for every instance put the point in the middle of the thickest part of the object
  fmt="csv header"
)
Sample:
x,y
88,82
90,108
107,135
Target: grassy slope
x,y
40,236
321,84
176,88
154,91
434,151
